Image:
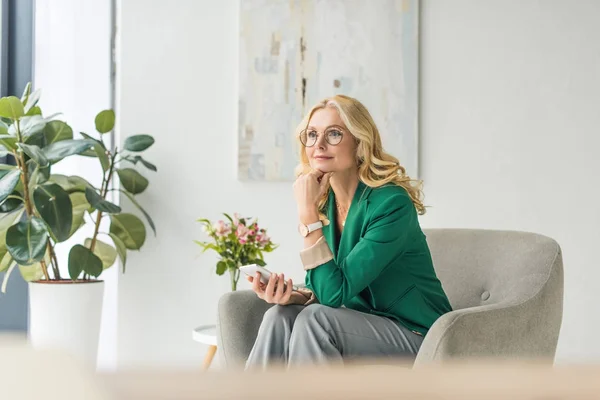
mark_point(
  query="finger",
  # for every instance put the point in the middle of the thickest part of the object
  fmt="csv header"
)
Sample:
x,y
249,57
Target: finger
x,y
270,289
256,287
249,279
325,179
288,291
280,285
316,173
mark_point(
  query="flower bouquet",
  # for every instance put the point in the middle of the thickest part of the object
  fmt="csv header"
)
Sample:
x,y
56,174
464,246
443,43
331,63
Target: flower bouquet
x,y
239,241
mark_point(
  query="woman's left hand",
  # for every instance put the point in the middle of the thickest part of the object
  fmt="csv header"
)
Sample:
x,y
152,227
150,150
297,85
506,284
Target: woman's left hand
x,y
308,189
276,291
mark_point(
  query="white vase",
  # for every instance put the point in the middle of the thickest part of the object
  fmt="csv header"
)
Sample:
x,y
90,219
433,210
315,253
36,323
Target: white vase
x,y
65,315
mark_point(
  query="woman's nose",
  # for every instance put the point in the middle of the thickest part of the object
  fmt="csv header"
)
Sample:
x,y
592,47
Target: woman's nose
x,y
321,141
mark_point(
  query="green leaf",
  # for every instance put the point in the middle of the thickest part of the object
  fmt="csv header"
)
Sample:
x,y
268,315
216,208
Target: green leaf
x,y
138,142
100,152
70,183
55,207
34,111
104,251
3,127
31,100
56,131
130,229
82,259
59,150
147,164
35,153
37,139
99,203
32,272
260,262
148,218
121,249
6,220
207,246
27,240
26,93
105,121
30,125
5,261
11,203
221,267
80,206
11,107
132,180
37,175
9,142
8,183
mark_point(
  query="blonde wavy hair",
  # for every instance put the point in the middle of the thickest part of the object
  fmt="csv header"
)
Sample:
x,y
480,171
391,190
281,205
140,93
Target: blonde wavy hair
x,y
375,167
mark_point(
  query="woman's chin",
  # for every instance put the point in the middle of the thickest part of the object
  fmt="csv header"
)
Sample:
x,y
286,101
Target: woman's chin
x,y
322,167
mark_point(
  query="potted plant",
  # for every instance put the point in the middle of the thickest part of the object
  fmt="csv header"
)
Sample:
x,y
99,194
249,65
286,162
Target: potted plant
x,y
40,210
240,241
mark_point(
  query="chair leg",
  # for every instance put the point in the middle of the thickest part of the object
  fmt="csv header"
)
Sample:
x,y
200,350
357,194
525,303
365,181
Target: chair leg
x,y
210,354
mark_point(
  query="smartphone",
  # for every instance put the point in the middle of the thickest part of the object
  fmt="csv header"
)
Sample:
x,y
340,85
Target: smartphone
x,y
252,269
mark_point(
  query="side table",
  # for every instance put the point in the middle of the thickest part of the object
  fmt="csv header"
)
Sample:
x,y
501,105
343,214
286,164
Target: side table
x,y
206,334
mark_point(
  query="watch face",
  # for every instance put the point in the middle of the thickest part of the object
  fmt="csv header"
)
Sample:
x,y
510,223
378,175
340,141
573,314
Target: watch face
x,y
303,229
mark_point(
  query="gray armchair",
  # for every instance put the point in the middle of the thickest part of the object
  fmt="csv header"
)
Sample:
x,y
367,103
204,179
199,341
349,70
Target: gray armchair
x,y
506,289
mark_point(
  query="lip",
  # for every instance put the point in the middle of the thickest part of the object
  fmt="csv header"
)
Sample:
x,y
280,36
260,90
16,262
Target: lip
x,y
322,158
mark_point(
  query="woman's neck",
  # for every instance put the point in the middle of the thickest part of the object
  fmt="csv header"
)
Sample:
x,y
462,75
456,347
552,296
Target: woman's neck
x,y
344,184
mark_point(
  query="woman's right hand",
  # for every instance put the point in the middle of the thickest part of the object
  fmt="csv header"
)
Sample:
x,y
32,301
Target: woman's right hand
x,y
273,292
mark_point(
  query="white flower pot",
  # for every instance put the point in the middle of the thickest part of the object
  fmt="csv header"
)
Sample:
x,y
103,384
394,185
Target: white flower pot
x,y
66,315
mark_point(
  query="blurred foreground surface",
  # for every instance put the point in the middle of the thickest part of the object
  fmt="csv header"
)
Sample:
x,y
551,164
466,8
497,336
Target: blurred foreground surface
x,y
29,374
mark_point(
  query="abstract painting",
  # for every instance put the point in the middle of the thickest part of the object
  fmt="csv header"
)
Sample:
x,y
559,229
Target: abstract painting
x,y
294,53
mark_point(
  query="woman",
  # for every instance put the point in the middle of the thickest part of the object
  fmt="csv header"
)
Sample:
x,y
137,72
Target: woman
x,y
371,290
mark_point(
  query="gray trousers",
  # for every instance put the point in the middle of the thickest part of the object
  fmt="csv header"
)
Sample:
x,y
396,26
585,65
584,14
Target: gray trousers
x,y
317,334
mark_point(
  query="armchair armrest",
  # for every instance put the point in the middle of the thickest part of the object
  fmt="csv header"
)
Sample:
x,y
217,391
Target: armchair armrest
x,y
240,314
525,330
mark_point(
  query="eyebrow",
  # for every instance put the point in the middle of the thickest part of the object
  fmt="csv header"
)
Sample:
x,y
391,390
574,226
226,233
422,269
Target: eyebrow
x,y
330,126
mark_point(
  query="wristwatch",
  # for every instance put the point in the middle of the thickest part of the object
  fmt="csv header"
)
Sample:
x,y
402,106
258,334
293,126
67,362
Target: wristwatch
x,y
306,229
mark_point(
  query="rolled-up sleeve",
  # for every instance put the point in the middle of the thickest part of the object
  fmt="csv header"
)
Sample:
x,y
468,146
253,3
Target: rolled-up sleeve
x,y
302,296
317,254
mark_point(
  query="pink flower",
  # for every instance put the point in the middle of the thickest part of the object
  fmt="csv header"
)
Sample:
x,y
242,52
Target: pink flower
x,y
263,239
236,219
222,229
241,231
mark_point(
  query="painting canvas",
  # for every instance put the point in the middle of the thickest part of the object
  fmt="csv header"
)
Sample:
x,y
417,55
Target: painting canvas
x,y
294,53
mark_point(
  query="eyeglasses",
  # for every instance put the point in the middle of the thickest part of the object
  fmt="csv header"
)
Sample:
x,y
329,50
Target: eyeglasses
x,y
333,136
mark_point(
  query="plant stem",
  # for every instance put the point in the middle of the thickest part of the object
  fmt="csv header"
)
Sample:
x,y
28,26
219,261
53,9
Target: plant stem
x,y
14,196
20,158
55,261
234,275
103,193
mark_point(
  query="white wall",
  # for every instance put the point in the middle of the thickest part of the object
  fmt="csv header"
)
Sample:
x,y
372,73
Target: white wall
x,y
510,133
177,81
510,96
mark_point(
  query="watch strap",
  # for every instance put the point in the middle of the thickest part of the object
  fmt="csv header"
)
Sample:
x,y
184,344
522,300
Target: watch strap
x,y
314,226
